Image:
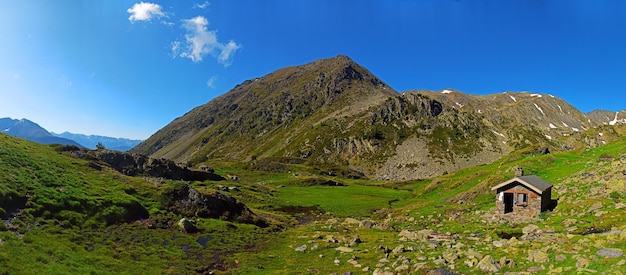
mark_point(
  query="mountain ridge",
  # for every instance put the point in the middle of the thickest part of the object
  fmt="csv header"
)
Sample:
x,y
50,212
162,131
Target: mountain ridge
x,y
336,111
26,129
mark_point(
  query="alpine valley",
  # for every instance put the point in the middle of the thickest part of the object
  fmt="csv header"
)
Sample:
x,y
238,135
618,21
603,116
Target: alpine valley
x,y
325,169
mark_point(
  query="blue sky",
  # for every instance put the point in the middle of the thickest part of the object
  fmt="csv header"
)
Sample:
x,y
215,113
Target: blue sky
x,y
128,68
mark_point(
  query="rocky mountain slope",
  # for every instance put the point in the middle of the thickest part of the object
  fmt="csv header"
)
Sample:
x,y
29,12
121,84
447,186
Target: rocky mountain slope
x,y
335,111
29,130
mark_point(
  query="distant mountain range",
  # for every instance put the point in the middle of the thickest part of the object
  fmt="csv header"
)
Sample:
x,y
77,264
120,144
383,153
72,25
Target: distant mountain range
x,y
90,141
335,111
26,129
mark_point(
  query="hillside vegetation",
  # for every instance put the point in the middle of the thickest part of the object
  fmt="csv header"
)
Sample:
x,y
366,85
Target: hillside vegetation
x,y
66,214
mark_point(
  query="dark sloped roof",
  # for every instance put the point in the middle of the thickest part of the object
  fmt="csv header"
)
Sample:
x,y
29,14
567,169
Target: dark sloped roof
x,y
531,181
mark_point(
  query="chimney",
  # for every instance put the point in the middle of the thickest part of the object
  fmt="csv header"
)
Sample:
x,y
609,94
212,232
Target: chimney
x,y
519,171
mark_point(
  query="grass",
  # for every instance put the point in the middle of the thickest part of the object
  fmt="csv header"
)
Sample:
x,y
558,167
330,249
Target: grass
x,y
83,220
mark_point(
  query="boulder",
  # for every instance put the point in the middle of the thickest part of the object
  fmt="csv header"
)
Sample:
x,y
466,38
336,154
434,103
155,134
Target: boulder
x,y
185,200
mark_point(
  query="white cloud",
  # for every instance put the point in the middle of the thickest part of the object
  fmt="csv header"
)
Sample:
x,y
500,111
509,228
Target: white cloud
x,y
144,11
211,82
201,6
200,41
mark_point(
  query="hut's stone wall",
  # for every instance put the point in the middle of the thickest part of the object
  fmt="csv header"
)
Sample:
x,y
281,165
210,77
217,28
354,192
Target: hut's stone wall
x,y
530,209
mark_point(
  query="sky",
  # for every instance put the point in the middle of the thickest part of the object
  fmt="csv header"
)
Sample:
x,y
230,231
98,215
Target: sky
x,y
128,68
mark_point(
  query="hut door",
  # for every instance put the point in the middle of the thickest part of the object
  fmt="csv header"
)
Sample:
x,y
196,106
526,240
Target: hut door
x,y
508,202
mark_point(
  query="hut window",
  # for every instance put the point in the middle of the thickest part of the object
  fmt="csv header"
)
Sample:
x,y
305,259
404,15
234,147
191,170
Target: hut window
x,y
522,199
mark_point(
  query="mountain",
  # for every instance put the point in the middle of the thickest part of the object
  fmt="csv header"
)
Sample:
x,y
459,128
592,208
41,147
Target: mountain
x,y
29,130
90,141
334,111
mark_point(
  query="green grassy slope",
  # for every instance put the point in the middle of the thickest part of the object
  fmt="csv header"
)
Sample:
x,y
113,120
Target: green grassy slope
x,y
66,215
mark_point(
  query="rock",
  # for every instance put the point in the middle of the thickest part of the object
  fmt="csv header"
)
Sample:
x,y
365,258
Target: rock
x,y
568,222
351,221
186,200
450,257
367,224
610,252
529,229
379,271
132,164
488,264
301,248
560,258
187,226
498,243
440,272
557,270
408,234
534,269
594,207
344,249
355,241
582,262
537,256
424,233
399,249
621,263
336,261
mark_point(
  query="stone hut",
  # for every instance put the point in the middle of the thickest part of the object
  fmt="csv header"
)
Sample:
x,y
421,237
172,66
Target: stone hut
x,y
523,196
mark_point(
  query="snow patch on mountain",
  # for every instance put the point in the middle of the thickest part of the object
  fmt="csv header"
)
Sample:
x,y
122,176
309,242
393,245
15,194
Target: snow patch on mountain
x,y
535,95
514,99
446,92
538,108
552,126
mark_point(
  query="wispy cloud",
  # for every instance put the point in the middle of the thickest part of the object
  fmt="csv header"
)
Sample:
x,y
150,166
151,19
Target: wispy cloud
x,y
201,6
145,11
211,82
200,41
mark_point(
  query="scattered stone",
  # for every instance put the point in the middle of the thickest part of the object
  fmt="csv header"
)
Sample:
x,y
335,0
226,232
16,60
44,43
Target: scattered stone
x,y
498,243
529,229
301,248
594,207
379,271
399,249
537,256
355,241
352,221
582,262
560,258
440,272
557,270
367,224
610,252
568,222
534,269
571,228
336,261
488,264
344,249
450,257
621,263
187,226
407,234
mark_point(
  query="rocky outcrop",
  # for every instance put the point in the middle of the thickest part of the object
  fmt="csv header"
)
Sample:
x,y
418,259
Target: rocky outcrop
x,y
131,164
188,201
